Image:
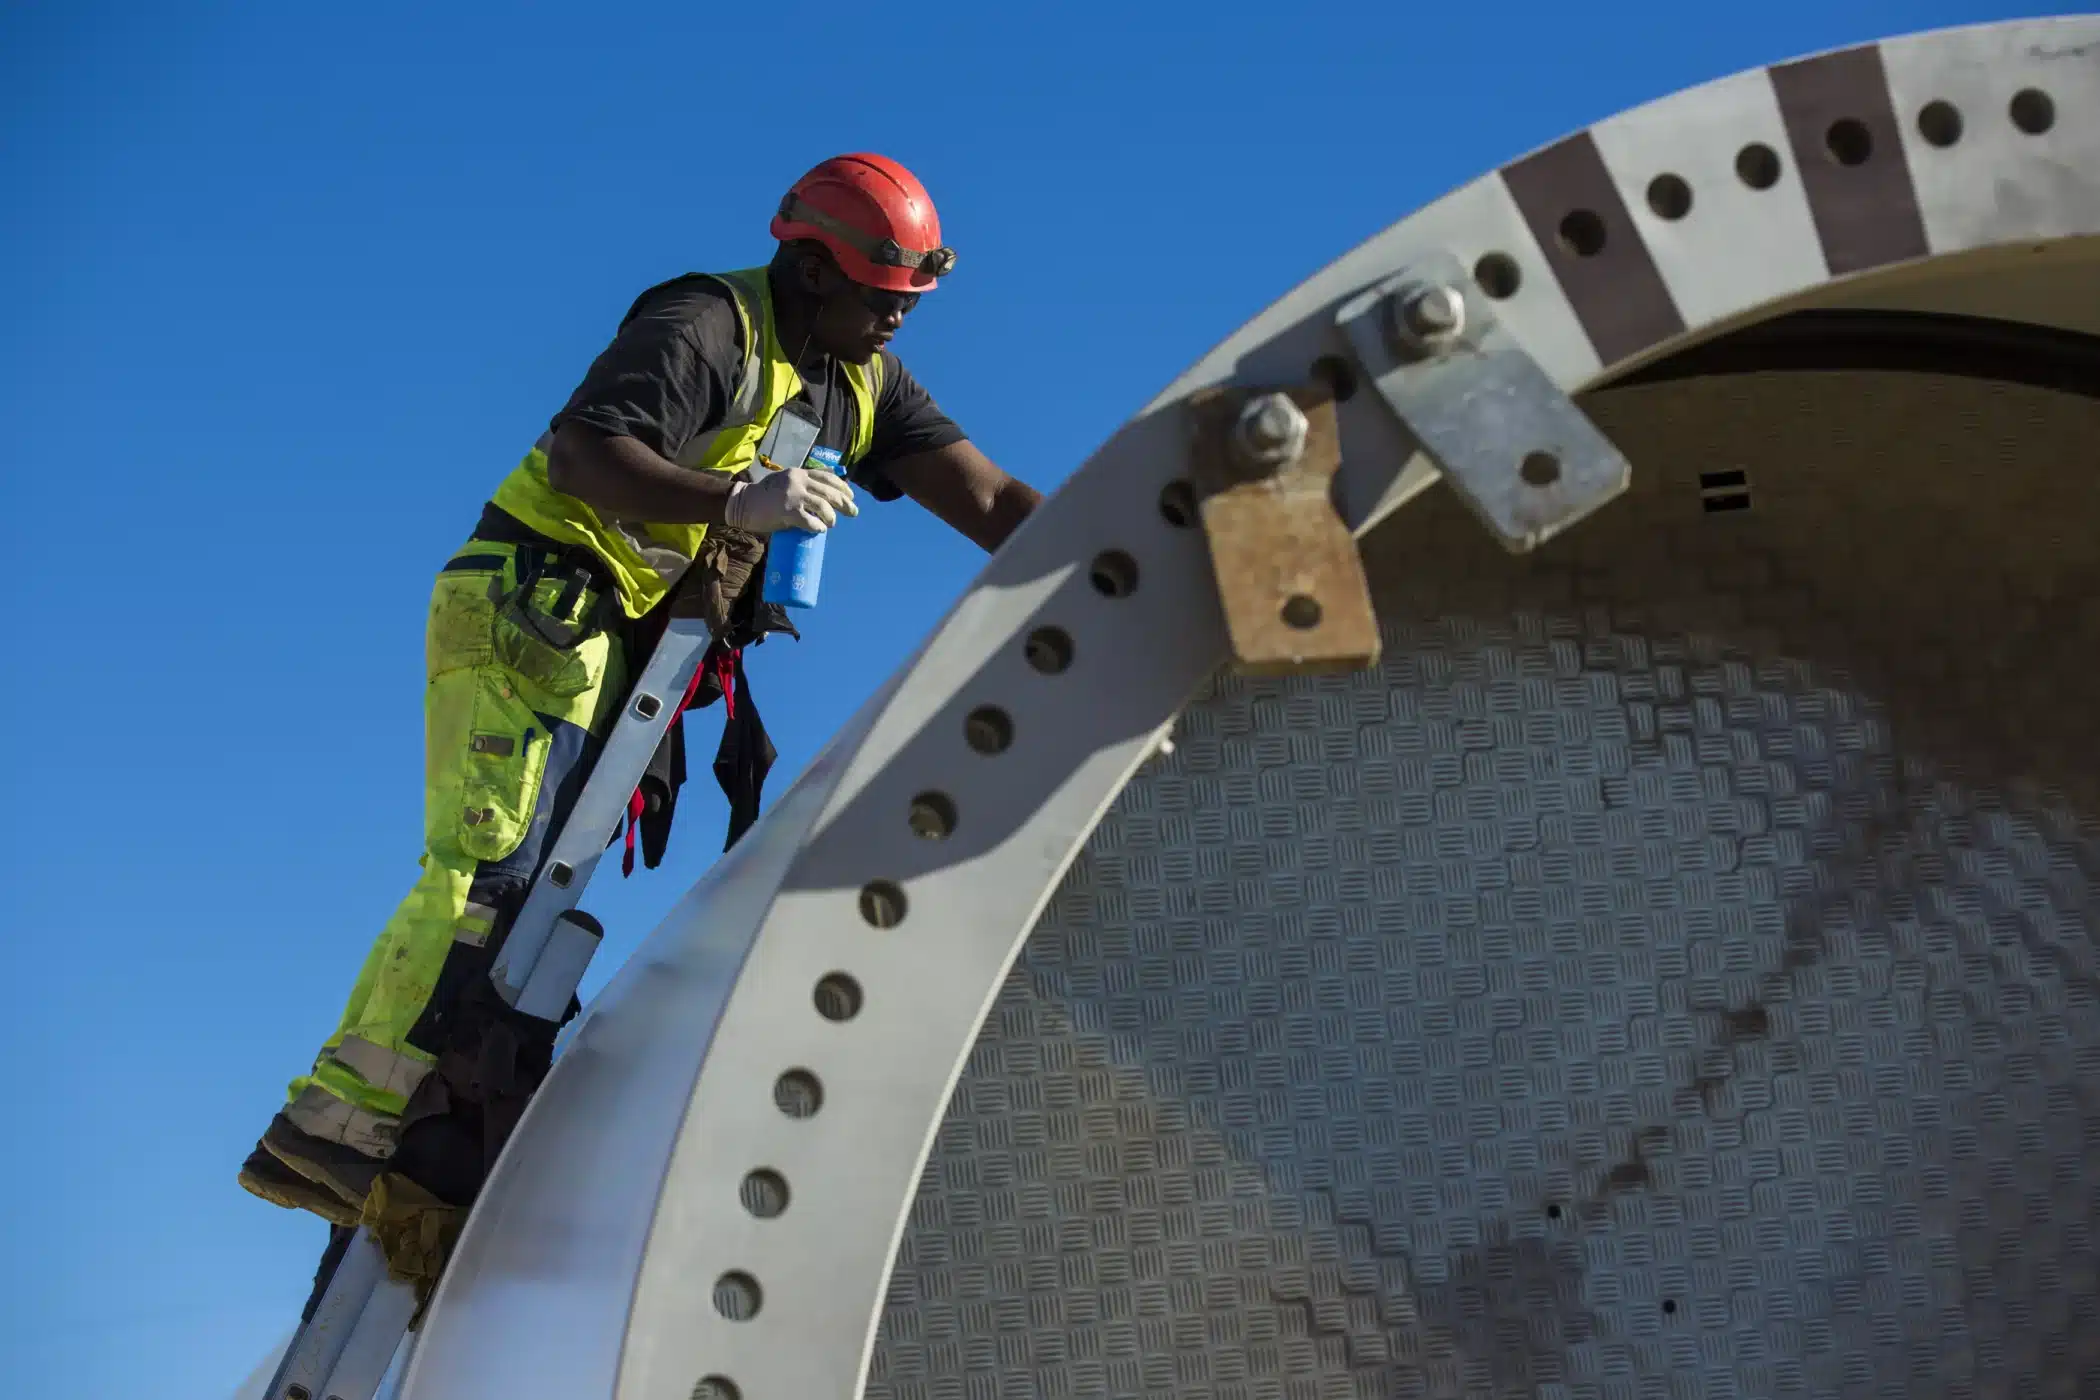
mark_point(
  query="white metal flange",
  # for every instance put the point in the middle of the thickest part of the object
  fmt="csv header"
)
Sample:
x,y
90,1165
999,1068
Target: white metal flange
x,y
706,1198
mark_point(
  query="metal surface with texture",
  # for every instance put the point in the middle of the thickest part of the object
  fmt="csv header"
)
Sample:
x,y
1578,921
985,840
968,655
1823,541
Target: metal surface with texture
x,y
1670,973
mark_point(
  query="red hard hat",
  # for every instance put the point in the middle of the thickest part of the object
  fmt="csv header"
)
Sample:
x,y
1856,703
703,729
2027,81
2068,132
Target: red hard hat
x,y
876,219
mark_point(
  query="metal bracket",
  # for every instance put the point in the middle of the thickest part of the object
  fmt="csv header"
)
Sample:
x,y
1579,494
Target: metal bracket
x,y
1292,583
1517,450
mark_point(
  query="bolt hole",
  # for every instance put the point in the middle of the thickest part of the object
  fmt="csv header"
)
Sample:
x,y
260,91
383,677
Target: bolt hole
x,y
717,1388
1177,504
1049,650
838,997
737,1296
933,816
297,1392
1338,375
1498,275
988,729
1582,233
1757,165
1669,1305
1553,1212
1940,123
1849,142
764,1193
882,903
1669,196
1114,574
2033,111
798,1094
1539,469
1302,612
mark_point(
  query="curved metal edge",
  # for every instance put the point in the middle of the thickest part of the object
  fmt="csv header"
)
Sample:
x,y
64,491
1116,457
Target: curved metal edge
x,y
590,1267
1914,342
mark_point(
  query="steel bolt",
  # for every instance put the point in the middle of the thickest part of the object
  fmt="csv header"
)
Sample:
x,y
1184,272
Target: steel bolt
x,y
1271,431
1425,319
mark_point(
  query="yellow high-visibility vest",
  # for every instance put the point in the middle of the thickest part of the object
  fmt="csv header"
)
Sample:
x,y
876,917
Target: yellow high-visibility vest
x,y
647,559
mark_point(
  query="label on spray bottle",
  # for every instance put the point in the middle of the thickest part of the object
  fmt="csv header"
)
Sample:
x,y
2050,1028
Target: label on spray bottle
x,y
795,558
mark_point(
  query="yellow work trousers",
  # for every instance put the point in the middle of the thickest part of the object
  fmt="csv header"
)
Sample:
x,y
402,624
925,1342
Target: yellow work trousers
x,y
525,677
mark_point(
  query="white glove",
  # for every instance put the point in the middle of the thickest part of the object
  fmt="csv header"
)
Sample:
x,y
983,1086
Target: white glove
x,y
794,499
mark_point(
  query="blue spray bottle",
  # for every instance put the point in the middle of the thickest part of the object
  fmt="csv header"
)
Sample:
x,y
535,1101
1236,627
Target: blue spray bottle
x,y
795,558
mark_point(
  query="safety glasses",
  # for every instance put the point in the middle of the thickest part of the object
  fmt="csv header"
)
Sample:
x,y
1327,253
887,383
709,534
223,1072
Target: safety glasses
x,y
888,304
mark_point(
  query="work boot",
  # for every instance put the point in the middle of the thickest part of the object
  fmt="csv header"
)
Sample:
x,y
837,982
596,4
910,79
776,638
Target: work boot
x,y
342,1171
263,1175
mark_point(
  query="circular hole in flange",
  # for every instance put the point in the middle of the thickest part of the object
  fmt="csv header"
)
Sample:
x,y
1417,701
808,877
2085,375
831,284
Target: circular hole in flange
x,y
1757,165
882,903
1498,275
1539,469
798,1094
1301,611
1669,196
1669,1305
2033,111
764,1193
838,997
1338,375
1049,650
1582,233
1553,1212
716,1388
1939,123
738,1296
1177,504
1849,142
933,816
1113,573
988,729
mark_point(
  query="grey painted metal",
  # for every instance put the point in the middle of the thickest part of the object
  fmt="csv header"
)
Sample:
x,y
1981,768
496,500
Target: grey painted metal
x,y
1480,406
651,708
594,1263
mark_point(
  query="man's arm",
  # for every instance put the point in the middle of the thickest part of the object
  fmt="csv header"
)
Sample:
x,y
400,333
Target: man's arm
x,y
962,487
622,479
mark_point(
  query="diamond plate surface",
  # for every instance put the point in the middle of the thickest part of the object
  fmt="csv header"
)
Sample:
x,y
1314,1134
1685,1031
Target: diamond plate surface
x,y
1670,975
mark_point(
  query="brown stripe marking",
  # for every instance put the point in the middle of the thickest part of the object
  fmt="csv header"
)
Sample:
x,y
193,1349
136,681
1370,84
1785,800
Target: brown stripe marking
x,y
1574,211
1837,108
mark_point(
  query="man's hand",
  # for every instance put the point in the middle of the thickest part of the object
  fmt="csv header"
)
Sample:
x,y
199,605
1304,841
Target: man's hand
x,y
794,499
963,487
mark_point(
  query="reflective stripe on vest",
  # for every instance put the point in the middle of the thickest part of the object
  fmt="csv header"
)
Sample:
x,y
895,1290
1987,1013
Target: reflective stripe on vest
x,y
647,560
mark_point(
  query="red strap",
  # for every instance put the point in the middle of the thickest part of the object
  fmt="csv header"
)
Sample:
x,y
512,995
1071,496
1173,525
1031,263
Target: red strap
x,y
725,673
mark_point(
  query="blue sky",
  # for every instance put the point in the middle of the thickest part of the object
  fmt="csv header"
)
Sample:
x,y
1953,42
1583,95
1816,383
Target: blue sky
x,y
288,288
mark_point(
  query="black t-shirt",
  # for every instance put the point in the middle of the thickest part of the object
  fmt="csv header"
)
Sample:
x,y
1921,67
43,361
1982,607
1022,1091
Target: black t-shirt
x,y
671,371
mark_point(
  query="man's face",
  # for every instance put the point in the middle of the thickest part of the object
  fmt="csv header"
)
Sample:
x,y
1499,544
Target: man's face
x,y
853,322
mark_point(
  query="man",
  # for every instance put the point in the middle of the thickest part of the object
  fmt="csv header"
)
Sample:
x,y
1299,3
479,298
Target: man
x,y
645,485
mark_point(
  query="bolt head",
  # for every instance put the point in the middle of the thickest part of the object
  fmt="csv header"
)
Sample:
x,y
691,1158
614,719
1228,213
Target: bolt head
x,y
1271,430
1428,318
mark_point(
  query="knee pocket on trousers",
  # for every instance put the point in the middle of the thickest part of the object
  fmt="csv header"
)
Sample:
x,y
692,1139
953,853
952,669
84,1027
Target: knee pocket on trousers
x,y
488,756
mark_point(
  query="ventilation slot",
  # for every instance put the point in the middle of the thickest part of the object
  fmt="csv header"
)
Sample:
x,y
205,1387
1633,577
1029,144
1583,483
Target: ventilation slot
x,y
1719,491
